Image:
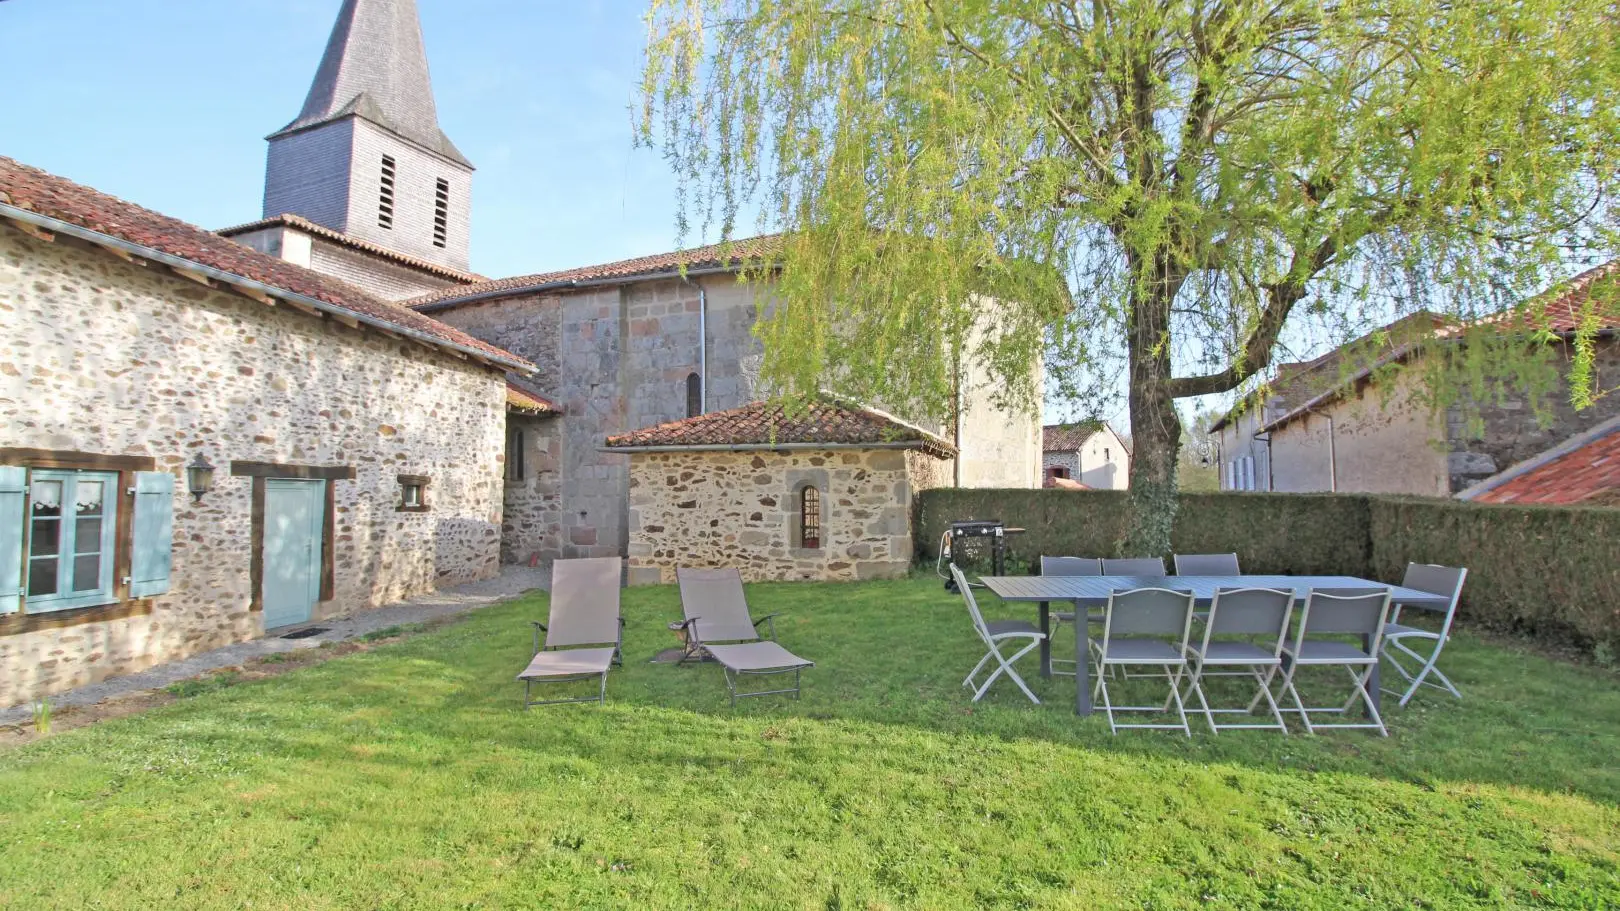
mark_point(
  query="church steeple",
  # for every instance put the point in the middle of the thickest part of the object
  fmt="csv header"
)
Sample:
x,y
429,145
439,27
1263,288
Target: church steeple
x,y
365,156
375,66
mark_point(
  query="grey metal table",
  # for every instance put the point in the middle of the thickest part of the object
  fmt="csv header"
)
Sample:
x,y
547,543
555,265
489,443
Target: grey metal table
x,y
1093,591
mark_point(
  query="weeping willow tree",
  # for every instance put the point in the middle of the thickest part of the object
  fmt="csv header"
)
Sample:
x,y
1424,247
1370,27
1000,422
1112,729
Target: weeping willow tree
x,y
1169,182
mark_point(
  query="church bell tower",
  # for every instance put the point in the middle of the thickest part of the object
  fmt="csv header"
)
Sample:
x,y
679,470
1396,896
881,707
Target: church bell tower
x,y
365,157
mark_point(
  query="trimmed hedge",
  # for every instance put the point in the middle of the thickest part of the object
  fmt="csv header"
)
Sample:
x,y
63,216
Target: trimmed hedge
x,y
1548,571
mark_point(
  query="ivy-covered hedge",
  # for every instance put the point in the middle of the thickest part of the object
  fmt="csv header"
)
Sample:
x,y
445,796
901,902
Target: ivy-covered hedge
x,y
1552,572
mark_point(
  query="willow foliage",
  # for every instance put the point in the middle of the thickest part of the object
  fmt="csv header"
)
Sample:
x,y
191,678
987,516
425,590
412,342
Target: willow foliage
x,y
1172,183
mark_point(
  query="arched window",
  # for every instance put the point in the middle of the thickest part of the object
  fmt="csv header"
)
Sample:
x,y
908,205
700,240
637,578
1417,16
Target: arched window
x,y
810,518
694,395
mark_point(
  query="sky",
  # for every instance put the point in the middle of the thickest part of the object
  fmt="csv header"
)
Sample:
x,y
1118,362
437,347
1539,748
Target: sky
x,y
166,103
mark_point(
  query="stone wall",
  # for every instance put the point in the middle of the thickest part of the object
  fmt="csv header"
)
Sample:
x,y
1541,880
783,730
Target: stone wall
x,y
1068,461
742,509
104,357
615,359
532,511
1501,434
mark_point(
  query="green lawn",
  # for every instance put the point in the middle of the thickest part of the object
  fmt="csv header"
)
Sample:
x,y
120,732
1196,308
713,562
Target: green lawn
x,y
408,777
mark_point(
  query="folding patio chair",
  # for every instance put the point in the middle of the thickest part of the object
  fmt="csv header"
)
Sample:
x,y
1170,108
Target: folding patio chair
x,y
1133,566
1129,566
1439,580
1262,615
1145,627
584,612
716,611
1338,612
994,634
1069,566
1207,565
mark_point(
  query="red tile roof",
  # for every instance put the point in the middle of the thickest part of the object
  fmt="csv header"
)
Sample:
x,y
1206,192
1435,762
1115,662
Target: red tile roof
x,y
1583,470
300,223
734,254
522,400
767,425
1068,437
64,201
1565,307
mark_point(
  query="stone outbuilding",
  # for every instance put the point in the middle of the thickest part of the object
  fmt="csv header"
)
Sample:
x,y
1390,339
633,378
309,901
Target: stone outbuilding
x,y
801,491
353,447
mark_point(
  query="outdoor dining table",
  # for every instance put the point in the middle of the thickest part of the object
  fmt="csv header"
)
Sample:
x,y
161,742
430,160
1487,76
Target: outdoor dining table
x,y
1093,591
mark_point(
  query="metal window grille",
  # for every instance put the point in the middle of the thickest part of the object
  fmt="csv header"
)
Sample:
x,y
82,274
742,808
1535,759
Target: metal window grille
x,y
810,518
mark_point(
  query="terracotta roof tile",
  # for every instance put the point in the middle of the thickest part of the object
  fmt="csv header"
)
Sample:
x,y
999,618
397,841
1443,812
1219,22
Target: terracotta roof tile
x,y
734,253
298,222
63,200
522,400
763,425
1588,473
1068,437
1565,307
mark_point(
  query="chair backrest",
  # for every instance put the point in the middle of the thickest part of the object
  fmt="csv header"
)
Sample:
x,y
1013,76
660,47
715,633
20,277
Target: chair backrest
x,y
962,586
1333,611
1250,612
1437,580
1207,565
1071,566
714,599
1148,612
584,602
1133,566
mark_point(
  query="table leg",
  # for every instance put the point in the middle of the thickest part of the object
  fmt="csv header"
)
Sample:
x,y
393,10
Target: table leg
x,y
1082,661
1046,640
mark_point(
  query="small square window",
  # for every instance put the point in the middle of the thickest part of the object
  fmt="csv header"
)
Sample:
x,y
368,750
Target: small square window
x,y
412,493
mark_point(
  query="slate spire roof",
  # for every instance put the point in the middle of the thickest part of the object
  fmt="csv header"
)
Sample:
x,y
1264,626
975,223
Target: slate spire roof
x,y
375,67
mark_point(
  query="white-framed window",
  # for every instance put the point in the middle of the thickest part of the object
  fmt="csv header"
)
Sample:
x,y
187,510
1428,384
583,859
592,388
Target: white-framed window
x,y
72,536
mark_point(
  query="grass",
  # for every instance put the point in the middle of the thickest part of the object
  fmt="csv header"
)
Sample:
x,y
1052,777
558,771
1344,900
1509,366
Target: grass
x,y
407,777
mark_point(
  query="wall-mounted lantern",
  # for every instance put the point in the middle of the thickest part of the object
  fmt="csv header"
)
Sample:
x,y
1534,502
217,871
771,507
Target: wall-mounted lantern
x,y
199,478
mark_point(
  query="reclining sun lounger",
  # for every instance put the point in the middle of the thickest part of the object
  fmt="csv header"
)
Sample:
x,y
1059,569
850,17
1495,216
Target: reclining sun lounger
x,y
584,612
716,612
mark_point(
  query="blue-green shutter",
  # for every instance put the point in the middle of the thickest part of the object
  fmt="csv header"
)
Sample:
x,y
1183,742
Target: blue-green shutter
x,y
13,491
153,547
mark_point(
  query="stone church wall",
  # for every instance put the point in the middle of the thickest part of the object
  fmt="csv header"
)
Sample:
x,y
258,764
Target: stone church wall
x,y
100,356
742,509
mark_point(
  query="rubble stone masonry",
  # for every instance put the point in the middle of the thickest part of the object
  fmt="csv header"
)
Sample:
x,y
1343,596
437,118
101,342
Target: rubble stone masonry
x,y
106,357
741,509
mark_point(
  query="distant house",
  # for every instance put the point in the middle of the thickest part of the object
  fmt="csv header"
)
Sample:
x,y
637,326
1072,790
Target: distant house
x,y
1326,425
1582,471
1088,454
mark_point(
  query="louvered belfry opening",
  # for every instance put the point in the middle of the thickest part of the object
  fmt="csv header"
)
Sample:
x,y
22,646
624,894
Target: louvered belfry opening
x,y
385,194
441,212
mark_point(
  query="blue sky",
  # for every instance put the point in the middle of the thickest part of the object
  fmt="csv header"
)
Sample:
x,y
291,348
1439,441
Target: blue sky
x,y
166,103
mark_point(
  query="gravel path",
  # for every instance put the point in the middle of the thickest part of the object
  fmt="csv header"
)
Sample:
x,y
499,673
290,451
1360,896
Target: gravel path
x,y
512,582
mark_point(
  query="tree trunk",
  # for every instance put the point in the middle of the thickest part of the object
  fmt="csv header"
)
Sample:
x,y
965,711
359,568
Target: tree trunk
x,y
1155,426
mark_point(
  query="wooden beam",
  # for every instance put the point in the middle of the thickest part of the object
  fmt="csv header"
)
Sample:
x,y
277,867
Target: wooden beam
x,y
197,277
34,231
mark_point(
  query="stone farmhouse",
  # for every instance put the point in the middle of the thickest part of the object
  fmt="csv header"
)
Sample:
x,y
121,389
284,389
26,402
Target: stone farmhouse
x,y
199,442
1326,425
1088,454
